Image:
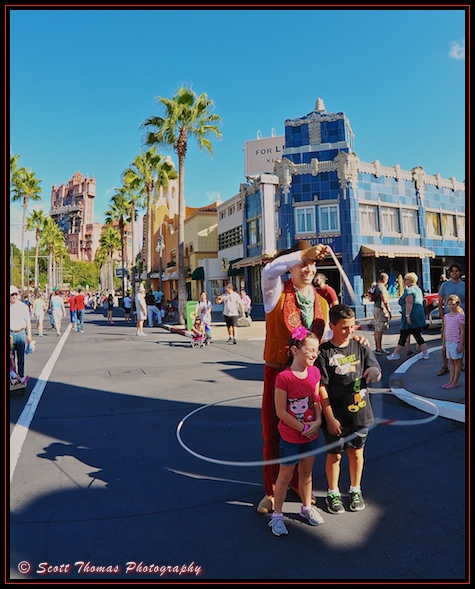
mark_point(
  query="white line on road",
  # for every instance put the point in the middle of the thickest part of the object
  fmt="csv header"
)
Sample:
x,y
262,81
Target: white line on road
x,y
22,426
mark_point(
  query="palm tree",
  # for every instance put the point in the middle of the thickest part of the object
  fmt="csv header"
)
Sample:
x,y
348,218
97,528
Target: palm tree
x,y
148,169
120,210
26,187
110,242
134,197
35,222
52,238
187,114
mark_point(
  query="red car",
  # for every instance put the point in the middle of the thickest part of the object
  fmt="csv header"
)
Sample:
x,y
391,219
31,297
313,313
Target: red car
x,y
431,301
431,308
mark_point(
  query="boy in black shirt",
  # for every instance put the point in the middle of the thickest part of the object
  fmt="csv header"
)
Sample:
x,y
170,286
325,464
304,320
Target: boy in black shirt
x,y
346,366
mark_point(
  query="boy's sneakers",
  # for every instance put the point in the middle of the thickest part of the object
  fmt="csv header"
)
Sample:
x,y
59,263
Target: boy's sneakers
x,y
312,515
334,503
356,501
277,525
230,340
393,357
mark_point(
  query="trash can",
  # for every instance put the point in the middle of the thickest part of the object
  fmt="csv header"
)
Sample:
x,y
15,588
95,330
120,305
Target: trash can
x,y
190,307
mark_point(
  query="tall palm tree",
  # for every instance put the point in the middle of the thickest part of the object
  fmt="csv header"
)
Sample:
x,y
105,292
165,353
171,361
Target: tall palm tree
x,y
135,198
119,210
187,115
110,242
148,169
35,222
26,187
51,237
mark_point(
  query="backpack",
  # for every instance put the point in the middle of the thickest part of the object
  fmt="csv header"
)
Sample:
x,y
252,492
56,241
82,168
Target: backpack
x,y
373,293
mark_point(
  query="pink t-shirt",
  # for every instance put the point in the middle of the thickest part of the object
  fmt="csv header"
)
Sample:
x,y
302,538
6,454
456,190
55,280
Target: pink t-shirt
x,y
452,325
301,399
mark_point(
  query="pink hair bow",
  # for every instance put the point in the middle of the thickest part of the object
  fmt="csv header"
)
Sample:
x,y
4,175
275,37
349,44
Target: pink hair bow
x,y
300,333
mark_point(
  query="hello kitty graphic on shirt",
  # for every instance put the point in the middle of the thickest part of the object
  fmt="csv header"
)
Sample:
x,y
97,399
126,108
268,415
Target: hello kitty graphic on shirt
x,y
302,408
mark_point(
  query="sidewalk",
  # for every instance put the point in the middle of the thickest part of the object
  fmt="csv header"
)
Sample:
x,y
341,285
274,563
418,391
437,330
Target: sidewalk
x,y
413,378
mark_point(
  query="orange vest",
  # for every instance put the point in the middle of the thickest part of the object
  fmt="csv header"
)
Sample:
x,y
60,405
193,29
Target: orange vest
x,y
284,318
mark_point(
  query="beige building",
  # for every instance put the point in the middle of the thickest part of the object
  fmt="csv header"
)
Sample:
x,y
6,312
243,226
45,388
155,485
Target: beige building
x,y
72,208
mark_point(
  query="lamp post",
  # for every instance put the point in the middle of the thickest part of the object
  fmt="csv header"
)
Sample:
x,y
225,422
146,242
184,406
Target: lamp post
x,y
160,247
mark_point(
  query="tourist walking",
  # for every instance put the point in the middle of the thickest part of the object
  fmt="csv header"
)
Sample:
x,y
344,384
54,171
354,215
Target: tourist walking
x,y
413,317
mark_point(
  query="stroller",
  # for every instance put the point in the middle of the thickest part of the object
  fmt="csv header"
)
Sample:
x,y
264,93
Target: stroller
x,y
198,341
198,334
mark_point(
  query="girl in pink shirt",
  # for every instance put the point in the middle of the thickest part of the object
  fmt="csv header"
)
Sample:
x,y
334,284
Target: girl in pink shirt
x,y
297,405
454,338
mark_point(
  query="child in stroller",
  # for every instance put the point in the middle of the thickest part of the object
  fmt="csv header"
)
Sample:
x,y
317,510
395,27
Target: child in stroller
x,y
197,333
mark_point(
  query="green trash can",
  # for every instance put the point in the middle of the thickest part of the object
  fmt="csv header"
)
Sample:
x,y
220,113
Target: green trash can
x,y
190,307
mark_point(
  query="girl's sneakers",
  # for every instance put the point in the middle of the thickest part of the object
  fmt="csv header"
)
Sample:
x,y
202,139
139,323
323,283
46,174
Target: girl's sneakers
x,y
277,524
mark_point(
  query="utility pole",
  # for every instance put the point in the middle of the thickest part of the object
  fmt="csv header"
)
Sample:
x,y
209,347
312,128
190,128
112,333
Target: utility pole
x,y
160,247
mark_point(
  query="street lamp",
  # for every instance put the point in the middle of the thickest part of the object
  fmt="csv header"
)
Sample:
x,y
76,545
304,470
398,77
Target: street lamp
x,y
160,247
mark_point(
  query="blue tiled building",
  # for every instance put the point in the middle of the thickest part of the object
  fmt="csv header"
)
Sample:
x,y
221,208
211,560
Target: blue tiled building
x,y
374,217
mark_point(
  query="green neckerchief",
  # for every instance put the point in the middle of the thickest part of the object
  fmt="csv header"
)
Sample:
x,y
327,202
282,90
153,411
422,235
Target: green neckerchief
x,y
306,309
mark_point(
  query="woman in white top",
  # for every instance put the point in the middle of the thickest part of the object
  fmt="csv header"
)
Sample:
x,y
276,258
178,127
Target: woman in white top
x,y
39,308
140,310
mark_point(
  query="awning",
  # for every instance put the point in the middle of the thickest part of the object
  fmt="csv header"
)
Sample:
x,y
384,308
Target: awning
x,y
396,251
198,273
252,261
170,276
232,271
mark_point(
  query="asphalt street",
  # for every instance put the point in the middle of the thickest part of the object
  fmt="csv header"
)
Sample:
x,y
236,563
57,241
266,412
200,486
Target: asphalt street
x,y
134,458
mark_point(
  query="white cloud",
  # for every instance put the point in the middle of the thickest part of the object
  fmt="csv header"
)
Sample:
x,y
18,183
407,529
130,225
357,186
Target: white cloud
x,y
457,50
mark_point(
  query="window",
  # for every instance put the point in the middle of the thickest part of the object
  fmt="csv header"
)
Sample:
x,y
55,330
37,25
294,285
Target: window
x,y
254,231
460,227
409,222
390,220
328,218
217,288
369,219
449,228
305,219
433,225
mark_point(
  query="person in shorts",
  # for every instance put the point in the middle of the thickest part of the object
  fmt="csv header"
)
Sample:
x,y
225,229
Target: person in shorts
x,y
346,366
232,307
297,406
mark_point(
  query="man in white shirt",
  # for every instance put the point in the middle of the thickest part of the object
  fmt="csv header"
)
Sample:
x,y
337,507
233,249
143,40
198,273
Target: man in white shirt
x,y
20,328
232,307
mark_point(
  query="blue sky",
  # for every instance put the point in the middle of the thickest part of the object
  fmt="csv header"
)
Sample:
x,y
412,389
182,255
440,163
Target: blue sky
x,y
82,80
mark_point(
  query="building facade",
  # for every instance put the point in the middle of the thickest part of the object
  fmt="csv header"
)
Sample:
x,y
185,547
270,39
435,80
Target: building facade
x,y
373,217
72,208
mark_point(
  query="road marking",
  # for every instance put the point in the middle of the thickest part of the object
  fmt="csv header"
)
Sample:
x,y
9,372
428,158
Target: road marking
x,y
22,426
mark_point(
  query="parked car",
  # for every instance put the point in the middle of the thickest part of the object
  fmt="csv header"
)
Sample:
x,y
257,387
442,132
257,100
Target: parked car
x,y
431,308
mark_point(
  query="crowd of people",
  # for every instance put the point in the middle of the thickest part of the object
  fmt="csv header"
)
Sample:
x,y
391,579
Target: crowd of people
x,y
316,368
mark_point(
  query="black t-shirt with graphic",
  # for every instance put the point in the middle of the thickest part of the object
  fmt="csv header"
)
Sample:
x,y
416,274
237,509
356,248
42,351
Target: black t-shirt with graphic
x,y
342,373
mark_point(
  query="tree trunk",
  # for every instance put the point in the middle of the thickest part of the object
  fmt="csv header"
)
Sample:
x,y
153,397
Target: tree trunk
x,y
23,224
181,241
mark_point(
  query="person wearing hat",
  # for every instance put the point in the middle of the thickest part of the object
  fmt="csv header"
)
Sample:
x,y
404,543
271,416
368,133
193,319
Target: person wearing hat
x,y
287,305
140,309
20,328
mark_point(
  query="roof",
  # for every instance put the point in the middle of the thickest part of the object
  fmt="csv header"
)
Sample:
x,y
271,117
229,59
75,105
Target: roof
x,y
396,251
252,261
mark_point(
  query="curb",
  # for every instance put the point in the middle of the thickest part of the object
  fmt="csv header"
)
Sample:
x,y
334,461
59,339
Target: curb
x,y
447,409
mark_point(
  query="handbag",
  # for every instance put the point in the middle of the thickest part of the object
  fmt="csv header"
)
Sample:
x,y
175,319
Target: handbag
x,y
106,305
